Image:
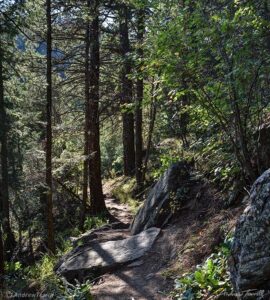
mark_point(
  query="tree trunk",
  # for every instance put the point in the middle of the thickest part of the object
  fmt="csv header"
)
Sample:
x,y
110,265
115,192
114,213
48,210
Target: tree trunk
x,y
184,118
2,261
139,99
86,125
153,111
126,94
95,182
30,241
240,134
9,242
49,212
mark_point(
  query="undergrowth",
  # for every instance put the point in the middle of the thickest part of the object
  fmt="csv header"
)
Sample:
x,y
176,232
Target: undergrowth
x,y
209,278
124,193
92,222
40,279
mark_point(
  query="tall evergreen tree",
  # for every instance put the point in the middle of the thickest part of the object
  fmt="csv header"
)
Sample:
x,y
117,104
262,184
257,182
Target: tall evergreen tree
x,y
5,205
49,209
2,260
126,92
95,180
86,120
139,100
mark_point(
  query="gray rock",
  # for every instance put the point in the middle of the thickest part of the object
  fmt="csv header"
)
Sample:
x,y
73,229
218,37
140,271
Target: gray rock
x,y
96,258
159,205
250,263
235,195
95,233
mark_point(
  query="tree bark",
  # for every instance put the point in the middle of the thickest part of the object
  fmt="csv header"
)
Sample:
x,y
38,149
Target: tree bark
x,y
184,118
95,181
153,111
9,241
139,100
86,125
49,212
126,94
2,261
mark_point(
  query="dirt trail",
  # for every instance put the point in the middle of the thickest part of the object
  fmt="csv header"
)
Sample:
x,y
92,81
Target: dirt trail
x,y
120,211
141,279
183,244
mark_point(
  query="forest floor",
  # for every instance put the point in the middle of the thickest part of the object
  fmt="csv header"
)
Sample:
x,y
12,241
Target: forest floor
x,y
183,244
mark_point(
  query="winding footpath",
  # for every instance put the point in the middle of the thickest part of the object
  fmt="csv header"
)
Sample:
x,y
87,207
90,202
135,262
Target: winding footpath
x,y
140,280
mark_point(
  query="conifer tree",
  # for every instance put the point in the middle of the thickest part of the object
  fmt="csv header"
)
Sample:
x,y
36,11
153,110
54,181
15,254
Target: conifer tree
x,y
49,191
126,92
95,180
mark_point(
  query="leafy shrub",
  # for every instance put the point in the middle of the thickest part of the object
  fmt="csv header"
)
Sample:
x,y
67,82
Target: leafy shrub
x,y
166,160
43,280
12,267
15,278
169,151
42,273
92,222
111,153
209,278
215,159
79,291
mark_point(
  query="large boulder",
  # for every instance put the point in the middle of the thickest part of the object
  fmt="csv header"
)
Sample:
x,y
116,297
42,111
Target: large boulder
x,y
250,263
159,205
95,258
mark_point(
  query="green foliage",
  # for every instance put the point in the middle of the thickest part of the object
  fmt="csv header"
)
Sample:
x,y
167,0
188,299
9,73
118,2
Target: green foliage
x,y
92,222
203,63
123,191
40,275
210,278
169,151
15,277
112,151
46,281
44,276
65,244
165,162
12,267
215,159
212,62
79,291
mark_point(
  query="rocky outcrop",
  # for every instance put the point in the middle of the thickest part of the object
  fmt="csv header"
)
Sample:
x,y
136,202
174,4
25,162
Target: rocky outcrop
x,y
159,205
250,263
95,258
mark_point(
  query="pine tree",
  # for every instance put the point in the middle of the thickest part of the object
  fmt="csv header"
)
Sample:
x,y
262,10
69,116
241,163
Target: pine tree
x,y
49,210
95,181
2,261
87,113
126,92
9,242
139,100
